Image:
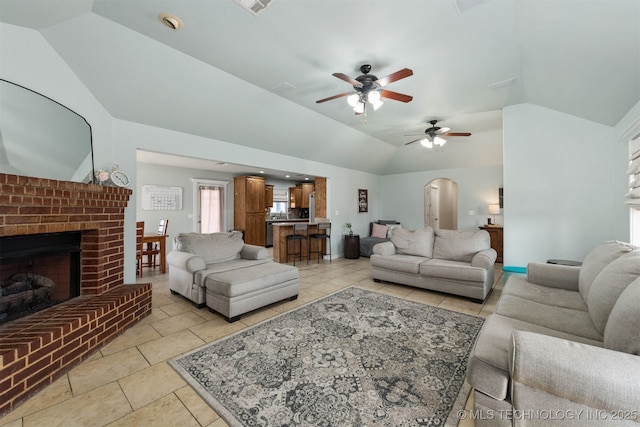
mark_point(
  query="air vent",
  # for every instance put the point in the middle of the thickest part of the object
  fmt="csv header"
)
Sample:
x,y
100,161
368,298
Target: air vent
x,y
255,6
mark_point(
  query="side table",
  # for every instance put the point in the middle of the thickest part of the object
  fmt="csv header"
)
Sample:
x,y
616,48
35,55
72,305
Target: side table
x,y
496,236
352,246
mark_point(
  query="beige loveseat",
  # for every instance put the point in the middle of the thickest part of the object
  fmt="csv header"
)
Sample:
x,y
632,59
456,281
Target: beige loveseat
x,y
455,262
562,345
230,277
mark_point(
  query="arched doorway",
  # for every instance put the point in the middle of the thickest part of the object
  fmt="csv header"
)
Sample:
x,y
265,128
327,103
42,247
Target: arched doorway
x,y
441,204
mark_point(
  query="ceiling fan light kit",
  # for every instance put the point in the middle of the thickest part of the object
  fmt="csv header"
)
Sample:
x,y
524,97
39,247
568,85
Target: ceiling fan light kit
x,y
435,136
368,88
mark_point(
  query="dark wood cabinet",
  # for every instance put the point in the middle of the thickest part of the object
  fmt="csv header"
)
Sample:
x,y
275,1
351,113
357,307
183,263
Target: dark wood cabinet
x,y
268,196
496,234
295,197
352,246
248,209
307,189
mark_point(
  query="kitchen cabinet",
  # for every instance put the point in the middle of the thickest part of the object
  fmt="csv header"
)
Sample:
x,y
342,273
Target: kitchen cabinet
x,y
248,208
268,195
307,189
295,197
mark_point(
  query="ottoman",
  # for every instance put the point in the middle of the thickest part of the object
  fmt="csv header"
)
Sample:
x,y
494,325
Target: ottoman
x,y
235,292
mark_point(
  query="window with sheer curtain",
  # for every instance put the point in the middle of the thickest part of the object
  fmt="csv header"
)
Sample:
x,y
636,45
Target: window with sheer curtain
x,y
211,208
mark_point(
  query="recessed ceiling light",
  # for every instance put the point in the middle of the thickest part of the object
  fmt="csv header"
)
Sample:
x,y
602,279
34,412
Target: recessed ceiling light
x,y
170,20
287,176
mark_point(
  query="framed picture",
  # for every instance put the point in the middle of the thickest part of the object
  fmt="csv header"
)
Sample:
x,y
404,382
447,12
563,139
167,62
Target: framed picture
x,y
363,201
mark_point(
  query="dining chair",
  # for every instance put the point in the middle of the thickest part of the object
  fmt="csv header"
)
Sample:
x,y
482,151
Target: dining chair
x,y
139,248
154,251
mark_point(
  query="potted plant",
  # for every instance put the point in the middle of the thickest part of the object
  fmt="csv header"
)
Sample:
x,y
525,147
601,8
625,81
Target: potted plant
x,y
350,231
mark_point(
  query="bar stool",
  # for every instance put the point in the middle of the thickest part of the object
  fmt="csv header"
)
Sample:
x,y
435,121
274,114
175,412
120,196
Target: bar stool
x,y
323,236
300,233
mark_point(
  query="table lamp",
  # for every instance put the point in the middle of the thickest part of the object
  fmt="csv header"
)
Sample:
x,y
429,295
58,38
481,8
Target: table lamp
x,y
494,210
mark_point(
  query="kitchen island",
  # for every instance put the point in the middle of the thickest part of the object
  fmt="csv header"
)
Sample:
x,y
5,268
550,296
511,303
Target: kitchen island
x,y
280,232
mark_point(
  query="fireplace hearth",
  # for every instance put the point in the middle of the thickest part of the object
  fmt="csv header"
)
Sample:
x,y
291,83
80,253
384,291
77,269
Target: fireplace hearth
x,y
38,271
38,348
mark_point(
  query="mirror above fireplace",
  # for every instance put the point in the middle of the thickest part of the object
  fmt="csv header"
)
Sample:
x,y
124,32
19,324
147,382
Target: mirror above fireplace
x,y
42,138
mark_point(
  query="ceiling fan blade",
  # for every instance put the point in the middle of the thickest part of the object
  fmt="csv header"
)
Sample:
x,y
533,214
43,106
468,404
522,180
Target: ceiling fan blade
x,y
395,95
347,79
457,134
400,74
415,140
332,97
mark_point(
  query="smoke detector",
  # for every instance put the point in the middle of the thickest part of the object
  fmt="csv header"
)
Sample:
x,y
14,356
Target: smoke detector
x,y
254,6
170,20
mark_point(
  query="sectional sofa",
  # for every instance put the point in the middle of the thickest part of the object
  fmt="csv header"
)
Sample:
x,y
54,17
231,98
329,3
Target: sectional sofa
x,y
562,346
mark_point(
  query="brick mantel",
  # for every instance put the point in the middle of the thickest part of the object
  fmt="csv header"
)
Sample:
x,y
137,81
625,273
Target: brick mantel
x,y
35,350
36,205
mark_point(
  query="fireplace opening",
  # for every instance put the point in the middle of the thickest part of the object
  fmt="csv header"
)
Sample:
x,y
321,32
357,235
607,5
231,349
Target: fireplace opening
x,y
38,271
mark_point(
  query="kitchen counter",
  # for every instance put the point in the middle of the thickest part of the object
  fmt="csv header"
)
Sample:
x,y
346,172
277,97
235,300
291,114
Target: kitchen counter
x,y
289,220
280,232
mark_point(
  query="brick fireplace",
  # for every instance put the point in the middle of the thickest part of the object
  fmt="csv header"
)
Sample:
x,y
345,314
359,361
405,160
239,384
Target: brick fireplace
x,y
37,349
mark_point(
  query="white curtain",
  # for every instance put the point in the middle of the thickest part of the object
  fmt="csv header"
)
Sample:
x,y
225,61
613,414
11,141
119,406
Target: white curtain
x,y
211,209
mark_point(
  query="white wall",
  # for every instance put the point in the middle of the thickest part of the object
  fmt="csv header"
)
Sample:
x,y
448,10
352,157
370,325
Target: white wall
x,y
28,59
180,221
402,195
564,185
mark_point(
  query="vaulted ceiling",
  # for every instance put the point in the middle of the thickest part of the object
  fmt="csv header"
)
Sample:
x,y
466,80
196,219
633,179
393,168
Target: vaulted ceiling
x,y
253,80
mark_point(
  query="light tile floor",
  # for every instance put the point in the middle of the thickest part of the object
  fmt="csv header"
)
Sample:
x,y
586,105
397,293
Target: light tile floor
x,y
129,383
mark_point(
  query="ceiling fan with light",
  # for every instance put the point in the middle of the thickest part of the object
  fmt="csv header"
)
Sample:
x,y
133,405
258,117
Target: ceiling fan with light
x,y
435,135
369,88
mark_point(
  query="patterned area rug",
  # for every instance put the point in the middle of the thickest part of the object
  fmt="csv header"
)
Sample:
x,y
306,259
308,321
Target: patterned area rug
x,y
353,358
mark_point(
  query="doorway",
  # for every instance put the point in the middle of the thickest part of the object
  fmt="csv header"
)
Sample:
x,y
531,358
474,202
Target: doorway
x,y
441,204
209,206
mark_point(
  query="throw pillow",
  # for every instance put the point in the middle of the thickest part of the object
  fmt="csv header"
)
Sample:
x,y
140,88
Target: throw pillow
x,y
390,228
460,245
418,242
379,230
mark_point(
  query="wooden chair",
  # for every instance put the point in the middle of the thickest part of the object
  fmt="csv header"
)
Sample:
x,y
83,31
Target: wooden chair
x,y
139,248
154,251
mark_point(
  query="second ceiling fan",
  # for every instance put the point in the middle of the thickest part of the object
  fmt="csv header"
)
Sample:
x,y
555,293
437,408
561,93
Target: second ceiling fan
x,y
369,88
435,135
